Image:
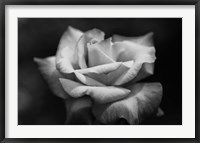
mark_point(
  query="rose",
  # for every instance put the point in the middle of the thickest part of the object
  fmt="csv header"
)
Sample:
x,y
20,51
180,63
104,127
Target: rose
x,y
99,78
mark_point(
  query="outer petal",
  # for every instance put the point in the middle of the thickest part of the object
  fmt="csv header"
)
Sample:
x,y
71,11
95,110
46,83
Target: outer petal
x,y
48,69
143,101
140,54
146,39
100,94
79,111
66,56
146,70
126,50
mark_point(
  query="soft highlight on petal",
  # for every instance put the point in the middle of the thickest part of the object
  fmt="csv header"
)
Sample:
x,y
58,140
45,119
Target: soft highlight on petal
x,y
100,69
102,94
146,39
48,69
66,56
142,102
126,50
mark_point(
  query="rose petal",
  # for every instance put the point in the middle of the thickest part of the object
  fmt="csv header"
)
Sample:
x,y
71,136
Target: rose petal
x,y
146,39
130,75
72,51
87,80
102,94
97,57
48,69
126,51
89,37
143,101
79,111
96,34
99,73
102,78
81,50
146,70
64,62
105,46
100,53
70,37
112,76
66,58
140,54
101,69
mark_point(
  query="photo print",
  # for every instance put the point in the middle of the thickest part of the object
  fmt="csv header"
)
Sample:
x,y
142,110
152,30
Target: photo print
x,y
99,71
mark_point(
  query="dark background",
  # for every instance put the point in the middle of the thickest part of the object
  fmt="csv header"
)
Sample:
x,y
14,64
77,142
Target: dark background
x,y
39,37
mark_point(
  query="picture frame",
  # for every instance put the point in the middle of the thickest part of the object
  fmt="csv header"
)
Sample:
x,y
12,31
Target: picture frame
x,y
5,3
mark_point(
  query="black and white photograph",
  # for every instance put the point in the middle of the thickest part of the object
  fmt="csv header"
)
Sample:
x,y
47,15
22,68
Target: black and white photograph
x,y
99,71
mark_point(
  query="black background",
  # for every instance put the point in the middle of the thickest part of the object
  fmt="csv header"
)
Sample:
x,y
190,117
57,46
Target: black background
x,y
39,37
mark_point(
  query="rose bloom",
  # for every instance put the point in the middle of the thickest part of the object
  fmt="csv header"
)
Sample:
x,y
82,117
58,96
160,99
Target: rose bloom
x,y
98,78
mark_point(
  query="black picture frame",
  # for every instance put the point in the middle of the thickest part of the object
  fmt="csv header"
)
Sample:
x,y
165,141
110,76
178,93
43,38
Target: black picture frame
x,y
4,3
